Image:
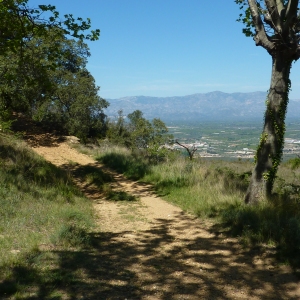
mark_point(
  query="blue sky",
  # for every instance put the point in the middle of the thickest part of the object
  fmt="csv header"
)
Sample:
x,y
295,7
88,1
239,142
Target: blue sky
x,y
171,48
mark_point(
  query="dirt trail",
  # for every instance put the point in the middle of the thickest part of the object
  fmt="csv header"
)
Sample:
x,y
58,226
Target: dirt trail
x,y
150,249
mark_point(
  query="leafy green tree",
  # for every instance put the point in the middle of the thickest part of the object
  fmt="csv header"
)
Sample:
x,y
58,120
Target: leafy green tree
x,y
65,97
146,136
117,131
140,135
24,83
76,106
19,25
140,130
275,26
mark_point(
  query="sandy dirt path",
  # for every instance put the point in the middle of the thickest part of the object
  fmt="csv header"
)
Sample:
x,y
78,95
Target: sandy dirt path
x,y
150,249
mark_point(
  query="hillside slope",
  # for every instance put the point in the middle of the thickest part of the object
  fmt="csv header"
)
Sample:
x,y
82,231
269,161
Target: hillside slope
x,y
146,248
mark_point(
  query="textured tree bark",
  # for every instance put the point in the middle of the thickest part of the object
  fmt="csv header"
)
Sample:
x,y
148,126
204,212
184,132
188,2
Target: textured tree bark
x,y
269,152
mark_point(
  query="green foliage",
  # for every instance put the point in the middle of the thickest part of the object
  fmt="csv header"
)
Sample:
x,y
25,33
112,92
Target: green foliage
x,y
5,120
117,132
65,97
249,29
132,166
269,223
139,134
74,230
43,74
294,163
75,107
19,22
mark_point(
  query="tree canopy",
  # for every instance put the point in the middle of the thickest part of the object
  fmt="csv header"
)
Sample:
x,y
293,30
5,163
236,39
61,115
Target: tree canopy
x,y
19,23
43,69
274,25
139,134
55,90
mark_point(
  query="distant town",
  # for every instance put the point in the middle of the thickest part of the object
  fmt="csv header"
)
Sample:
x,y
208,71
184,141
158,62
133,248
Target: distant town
x,y
234,141
292,148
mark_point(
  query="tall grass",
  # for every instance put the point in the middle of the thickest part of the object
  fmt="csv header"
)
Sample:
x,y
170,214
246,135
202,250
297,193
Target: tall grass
x,y
215,189
122,160
199,187
39,208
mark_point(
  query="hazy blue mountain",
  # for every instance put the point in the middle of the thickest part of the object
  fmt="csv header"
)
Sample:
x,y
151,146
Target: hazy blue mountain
x,y
212,106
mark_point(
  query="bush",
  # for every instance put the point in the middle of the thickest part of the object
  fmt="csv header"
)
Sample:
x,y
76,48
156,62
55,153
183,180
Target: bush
x,y
140,135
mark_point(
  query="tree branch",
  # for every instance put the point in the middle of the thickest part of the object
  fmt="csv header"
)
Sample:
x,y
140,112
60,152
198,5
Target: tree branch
x,y
261,38
268,20
191,152
279,6
291,13
274,9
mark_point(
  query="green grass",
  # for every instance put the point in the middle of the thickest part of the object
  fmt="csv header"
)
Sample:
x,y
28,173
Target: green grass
x,y
39,208
119,196
93,175
201,188
122,160
216,188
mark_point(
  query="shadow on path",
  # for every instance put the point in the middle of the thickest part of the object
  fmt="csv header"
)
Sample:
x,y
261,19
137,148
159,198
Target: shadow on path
x,y
175,259
154,264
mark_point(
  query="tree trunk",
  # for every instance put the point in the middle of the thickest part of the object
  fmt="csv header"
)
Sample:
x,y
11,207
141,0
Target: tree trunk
x,y
269,152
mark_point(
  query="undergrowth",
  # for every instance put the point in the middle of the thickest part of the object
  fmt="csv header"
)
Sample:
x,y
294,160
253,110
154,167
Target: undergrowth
x,y
122,160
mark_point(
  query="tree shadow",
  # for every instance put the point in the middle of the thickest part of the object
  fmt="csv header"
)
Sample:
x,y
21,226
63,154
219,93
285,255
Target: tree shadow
x,y
174,259
233,180
96,181
132,167
35,134
21,168
257,225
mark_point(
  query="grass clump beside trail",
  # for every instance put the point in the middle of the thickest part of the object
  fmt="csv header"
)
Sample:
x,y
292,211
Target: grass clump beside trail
x,y
216,189
41,210
118,158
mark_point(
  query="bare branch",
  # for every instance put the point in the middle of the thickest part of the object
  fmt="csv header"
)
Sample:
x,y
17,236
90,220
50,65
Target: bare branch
x,y
291,13
279,6
268,20
274,9
261,37
191,151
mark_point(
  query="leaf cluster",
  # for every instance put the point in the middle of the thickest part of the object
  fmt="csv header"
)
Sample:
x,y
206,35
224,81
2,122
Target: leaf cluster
x,y
43,72
19,22
274,24
52,85
139,134
249,29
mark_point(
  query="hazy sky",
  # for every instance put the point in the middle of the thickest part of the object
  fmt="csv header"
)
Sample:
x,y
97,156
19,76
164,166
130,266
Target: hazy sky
x,y
171,48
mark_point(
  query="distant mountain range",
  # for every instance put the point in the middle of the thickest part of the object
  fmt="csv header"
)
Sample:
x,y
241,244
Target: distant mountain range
x,y
214,106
